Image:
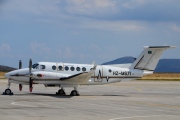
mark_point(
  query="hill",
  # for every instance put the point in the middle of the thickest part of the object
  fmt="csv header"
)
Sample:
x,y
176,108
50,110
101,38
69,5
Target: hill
x,y
122,60
164,65
6,68
168,66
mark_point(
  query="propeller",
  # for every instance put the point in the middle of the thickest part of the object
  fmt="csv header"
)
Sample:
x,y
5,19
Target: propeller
x,y
20,64
20,67
30,78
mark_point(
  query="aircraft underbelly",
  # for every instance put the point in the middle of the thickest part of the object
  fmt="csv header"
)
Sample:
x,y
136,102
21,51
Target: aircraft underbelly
x,y
56,82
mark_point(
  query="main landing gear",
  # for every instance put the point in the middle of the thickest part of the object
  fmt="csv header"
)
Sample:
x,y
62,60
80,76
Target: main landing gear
x,y
8,90
73,92
61,92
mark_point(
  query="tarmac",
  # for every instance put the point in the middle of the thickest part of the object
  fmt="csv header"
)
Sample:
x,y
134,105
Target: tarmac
x,y
133,100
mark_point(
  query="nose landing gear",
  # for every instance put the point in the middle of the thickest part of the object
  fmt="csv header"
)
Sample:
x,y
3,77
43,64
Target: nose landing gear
x,y
8,90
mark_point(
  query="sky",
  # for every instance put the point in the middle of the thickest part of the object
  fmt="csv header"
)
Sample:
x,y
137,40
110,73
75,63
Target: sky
x,y
83,31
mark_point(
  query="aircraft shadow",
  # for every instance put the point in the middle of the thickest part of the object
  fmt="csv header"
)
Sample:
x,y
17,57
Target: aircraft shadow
x,y
67,96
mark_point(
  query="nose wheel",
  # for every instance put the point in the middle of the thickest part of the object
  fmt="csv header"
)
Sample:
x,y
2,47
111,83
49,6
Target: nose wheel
x,y
8,90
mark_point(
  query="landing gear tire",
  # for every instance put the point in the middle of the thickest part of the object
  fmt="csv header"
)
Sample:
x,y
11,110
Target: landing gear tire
x,y
8,92
61,92
74,93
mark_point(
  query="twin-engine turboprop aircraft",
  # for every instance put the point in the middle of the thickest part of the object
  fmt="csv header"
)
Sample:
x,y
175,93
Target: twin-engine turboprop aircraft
x,y
58,74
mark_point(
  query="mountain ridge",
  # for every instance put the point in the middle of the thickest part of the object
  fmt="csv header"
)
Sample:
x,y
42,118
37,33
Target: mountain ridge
x,y
163,66
6,68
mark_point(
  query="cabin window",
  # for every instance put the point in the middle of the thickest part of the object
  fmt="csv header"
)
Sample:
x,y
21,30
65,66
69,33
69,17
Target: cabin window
x,y
78,68
66,68
54,67
72,68
110,70
43,67
60,68
84,69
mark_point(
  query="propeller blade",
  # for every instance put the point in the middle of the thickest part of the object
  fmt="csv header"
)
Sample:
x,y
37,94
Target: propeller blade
x,y
30,73
30,84
20,64
30,66
20,67
20,87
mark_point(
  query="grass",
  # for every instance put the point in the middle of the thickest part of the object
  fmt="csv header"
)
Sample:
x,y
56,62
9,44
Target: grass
x,y
162,76
2,75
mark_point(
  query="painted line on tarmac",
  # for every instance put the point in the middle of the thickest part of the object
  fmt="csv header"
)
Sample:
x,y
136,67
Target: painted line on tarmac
x,y
48,105
18,104
138,89
178,97
121,118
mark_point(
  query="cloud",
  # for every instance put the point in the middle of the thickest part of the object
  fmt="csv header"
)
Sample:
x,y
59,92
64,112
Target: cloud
x,y
112,10
66,53
131,4
4,48
31,6
114,26
90,7
40,48
108,15
175,28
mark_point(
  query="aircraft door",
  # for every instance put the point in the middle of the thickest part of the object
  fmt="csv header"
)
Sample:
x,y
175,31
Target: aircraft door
x,y
98,74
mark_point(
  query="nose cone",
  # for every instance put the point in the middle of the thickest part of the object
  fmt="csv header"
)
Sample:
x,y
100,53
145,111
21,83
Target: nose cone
x,y
7,75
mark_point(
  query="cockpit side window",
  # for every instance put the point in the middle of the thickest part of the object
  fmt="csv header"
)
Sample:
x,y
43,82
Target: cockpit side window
x,y
35,66
43,67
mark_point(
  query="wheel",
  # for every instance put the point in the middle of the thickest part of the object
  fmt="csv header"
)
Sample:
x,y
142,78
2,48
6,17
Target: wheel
x,y
61,92
74,93
8,92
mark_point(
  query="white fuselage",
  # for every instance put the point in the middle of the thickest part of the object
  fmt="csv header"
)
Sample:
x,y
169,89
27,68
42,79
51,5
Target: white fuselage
x,y
51,73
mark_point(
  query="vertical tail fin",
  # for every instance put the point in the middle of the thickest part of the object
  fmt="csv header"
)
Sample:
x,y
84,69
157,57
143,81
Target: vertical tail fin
x,y
149,58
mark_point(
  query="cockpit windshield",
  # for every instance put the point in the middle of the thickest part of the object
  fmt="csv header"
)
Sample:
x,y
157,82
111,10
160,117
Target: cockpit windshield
x,y
35,66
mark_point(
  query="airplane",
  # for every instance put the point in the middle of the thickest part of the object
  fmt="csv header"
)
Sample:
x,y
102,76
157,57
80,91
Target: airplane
x,y
59,74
